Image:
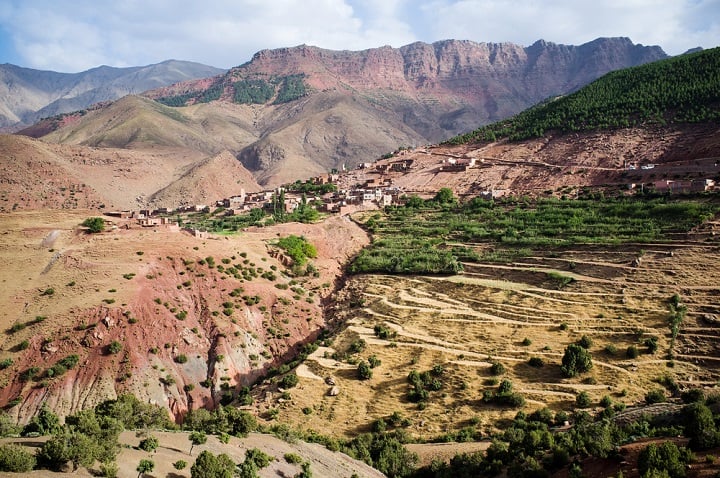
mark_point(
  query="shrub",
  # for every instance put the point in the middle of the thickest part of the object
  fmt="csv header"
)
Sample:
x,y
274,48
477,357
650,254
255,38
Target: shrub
x,y
655,396
582,400
180,465
364,371
94,224
585,342
536,362
632,352
293,458
16,459
182,358
115,347
497,368
288,381
526,342
576,360
149,444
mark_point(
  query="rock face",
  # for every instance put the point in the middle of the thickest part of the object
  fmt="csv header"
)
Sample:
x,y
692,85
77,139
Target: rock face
x,y
354,107
419,93
464,83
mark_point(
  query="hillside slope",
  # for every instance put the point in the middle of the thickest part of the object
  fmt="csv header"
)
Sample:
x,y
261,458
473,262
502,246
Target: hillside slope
x,y
294,112
28,95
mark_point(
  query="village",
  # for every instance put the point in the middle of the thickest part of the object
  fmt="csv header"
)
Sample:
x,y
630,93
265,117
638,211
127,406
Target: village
x,y
373,186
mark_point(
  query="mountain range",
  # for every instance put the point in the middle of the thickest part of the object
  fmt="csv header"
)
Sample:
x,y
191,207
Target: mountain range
x,y
27,95
296,112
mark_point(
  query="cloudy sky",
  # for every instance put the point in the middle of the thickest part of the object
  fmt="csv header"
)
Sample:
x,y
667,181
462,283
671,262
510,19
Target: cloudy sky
x,y
74,35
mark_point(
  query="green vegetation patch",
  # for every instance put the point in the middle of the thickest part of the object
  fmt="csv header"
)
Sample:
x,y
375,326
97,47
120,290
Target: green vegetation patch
x,y
683,89
427,237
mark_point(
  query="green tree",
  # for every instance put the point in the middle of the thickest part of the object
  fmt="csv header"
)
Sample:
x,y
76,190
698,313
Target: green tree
x,y
149,444
180,464
45,422
208,465
289,381
666,457
196,438
576,360
700,427
582,400
445,196
16,459
94,224
145,466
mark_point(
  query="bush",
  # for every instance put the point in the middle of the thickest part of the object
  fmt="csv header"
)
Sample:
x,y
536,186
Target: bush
x,y
632,352
182,358
16,459
663,460
585,342
536,362
293,458
288,381
149,444
497,368
180,465
576,360
582,400
364,371
94,224
655,396
115,347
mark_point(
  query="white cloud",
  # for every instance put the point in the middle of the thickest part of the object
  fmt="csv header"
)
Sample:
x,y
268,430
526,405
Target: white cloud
x,y
71,35
675,25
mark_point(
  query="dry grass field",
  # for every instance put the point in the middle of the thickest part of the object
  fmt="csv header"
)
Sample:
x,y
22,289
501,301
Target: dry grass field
x,y
510,313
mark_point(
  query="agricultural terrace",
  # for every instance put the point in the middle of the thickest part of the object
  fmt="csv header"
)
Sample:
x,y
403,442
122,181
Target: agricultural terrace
x,y
628,286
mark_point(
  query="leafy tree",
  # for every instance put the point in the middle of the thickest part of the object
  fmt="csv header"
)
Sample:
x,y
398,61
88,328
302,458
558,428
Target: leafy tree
x,y
180,465
145,466
149,444
700,427
94,224
196,438
16,459
45,422
298,248
582,400
208,465
445,196
666,457
289,380
66,446
576,360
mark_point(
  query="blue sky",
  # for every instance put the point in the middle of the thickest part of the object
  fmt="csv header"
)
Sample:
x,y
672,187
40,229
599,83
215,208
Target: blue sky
x,y
74,35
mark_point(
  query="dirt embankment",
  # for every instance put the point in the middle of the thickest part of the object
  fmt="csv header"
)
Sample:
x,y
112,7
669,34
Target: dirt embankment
x,y
175,320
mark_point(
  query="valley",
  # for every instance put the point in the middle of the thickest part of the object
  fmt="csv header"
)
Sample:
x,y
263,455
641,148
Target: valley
x,y
540,292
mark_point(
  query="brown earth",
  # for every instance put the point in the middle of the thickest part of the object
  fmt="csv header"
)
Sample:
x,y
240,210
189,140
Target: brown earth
x,y
153,291
561,164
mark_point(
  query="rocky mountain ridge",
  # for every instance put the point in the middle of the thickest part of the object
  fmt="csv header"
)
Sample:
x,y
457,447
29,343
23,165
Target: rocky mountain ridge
x,y
293,113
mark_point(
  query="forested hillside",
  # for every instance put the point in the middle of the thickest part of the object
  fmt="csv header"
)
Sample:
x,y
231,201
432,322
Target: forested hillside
x,y
684,89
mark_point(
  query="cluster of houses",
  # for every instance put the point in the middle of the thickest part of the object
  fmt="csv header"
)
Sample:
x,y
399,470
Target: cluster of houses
x,y
376,189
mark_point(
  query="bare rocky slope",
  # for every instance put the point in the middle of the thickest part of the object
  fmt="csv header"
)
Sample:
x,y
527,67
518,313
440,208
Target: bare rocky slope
x,y
176,320
28,95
